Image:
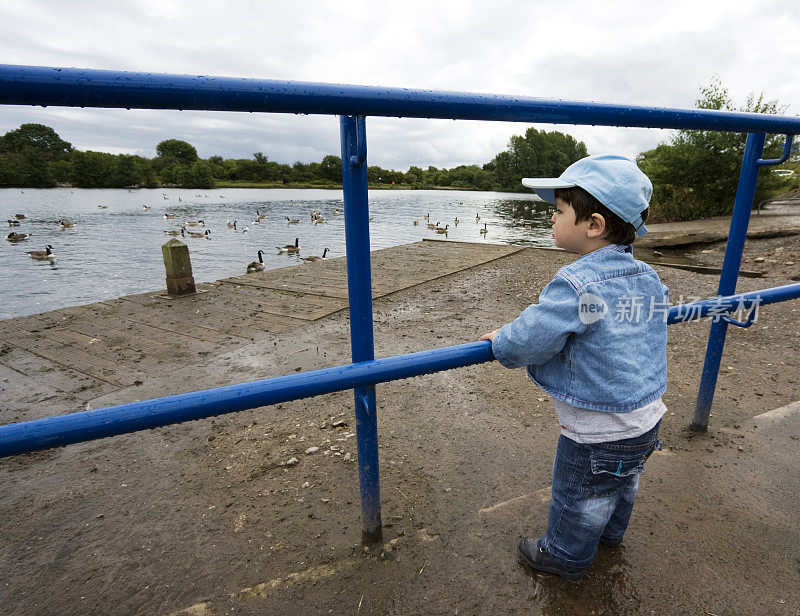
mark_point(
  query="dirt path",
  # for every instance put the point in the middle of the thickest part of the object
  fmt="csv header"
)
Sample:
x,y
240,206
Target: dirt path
x,y
209,517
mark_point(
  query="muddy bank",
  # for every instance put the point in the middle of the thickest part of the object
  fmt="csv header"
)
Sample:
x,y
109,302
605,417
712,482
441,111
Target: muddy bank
x,y
210,517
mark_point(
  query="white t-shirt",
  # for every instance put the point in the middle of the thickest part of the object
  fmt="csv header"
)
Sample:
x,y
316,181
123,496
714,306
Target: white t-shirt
x,y
585,426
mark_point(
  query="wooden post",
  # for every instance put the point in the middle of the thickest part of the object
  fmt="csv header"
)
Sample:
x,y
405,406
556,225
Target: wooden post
x,y
179,268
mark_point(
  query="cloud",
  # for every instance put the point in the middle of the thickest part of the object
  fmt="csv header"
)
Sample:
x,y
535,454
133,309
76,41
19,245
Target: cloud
x,y
644,53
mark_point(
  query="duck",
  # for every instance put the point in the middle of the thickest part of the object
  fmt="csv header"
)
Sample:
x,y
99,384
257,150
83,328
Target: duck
x,y
198,234
256,266
416,223
146,208
484,231
313,258
42,255
169,216
246,229
334,212
229,224
194,223
292,221
442,230
63,224
102,207
430,226
13,223
291,247
181,231
20,216
17,237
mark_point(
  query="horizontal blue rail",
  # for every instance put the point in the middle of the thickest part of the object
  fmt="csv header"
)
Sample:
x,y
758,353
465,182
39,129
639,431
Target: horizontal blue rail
x,y
88,425
73,87
27,436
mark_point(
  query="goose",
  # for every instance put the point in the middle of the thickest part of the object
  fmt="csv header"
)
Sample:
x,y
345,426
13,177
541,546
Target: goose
x,y
477,217
484,231
102,207
169,216
416,223
313,258
230,225
17,237
198,234
20,216
290,247
194,223
63,224
292,221
456,221
430,226
180,200
13,223
334,212
246,229
256,266
165,196
181,231
427,216
319,220
146,208
42,255
260,216
442,230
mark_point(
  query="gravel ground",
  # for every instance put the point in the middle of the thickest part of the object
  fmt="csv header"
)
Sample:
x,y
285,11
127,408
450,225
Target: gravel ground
x,y
215,516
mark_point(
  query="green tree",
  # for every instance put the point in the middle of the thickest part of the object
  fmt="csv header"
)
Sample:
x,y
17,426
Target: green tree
x,y
536,154
35,137
175,150
30,156
696,174
331,169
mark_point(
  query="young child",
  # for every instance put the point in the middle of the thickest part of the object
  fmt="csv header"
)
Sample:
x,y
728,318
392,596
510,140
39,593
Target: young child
x,y
596,342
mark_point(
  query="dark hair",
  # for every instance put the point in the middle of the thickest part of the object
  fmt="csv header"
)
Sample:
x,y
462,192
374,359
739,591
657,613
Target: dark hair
x,y
617,230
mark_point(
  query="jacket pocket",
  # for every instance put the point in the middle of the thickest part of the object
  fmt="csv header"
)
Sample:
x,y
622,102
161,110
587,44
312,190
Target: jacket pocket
x,y
608,474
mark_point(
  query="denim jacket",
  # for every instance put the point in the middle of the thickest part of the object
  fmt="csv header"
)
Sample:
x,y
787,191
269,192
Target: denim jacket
x,y
597,339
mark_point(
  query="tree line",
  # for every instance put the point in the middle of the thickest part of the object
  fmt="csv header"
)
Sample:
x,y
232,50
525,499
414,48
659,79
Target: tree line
x,y
35,156
694,174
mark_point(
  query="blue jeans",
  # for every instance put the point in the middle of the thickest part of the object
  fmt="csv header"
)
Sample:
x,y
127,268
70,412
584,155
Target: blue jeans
x,y
594,487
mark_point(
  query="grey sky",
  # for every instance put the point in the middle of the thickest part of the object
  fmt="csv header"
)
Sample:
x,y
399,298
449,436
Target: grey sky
x,y
644,53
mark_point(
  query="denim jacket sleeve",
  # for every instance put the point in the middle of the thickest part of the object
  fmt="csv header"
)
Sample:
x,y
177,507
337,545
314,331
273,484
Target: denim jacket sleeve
x,y
541,331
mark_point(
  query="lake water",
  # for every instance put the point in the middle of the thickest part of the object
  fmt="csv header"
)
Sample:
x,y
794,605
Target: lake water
x,y
117,251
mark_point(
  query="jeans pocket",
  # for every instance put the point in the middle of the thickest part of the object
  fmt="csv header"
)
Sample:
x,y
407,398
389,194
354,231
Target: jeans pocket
x,y
608,474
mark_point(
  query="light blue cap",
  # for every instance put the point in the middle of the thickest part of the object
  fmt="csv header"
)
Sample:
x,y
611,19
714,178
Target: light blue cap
x,y
614,181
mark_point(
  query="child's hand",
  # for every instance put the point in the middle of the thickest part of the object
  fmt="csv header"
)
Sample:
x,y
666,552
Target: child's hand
x,y
490,335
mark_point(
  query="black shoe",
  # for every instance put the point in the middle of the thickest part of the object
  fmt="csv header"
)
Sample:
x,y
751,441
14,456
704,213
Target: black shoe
x,y
610,543
536,557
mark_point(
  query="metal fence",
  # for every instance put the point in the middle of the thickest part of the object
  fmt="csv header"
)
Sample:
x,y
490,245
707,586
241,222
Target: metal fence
x,y
29,85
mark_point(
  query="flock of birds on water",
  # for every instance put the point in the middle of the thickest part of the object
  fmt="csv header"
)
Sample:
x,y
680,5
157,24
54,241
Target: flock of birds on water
x,y
316,217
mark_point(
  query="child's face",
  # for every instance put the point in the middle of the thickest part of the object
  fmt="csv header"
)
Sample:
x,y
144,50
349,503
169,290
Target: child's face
x,y
568,235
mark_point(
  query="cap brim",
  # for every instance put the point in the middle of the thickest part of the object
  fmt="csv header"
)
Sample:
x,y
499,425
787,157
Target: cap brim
x,y
546,187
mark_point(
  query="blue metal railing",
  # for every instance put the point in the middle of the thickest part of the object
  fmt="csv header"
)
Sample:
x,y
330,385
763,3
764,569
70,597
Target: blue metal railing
x,y
27,85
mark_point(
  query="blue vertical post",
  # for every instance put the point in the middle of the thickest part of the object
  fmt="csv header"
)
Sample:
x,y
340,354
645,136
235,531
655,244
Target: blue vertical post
x,y
359,290
742,206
